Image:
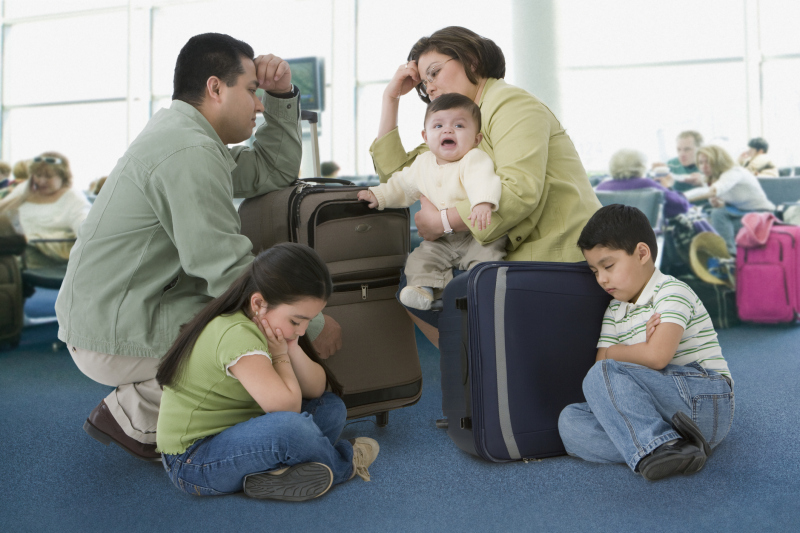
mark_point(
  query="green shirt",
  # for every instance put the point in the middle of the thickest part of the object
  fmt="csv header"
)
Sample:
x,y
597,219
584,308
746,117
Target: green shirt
x,y
163,237
206,399
676,167
546,197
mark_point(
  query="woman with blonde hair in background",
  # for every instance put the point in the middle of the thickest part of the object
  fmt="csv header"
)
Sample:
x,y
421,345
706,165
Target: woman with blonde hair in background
x,y
48,208
732,191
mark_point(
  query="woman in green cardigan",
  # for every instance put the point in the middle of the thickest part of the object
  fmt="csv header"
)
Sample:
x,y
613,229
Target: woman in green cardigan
x,y
546,197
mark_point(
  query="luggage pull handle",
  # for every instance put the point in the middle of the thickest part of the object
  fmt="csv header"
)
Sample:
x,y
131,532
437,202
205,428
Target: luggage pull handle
x,y
312,119
310,116
332,181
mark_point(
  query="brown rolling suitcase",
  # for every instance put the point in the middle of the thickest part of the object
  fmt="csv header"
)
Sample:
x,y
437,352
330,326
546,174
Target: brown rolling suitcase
x,y
365,250
11,300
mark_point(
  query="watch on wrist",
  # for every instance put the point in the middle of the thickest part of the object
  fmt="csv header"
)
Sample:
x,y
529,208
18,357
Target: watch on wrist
x,y
446,223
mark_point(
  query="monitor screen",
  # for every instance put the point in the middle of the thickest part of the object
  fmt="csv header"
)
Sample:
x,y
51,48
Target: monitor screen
x,y
308,74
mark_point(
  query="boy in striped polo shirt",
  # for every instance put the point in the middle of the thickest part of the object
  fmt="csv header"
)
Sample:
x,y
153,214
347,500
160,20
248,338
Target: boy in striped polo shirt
x,y
659,397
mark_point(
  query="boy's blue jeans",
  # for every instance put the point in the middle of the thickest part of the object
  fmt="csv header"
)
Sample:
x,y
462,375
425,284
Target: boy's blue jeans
x,y
629,408
218,464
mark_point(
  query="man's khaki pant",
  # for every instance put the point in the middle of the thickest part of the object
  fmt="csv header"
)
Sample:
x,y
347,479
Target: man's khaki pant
x,y
135,401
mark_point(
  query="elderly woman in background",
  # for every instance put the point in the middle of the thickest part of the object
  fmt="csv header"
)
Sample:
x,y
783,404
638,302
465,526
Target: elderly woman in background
x,y
627,168
732,191
48,208
546,197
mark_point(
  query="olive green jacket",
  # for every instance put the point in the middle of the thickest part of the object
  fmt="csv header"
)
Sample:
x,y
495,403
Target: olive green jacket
x,y
163,237
546,197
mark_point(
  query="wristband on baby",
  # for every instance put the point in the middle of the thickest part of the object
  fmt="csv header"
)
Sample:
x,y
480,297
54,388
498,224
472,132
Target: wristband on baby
x,y
446,223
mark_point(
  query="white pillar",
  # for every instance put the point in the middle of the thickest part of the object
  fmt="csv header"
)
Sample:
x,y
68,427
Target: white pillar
x,y
752,63
536,50
343,86
139,66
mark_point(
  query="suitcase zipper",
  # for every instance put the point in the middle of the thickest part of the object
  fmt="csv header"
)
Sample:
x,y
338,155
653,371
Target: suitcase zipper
x,y
364,287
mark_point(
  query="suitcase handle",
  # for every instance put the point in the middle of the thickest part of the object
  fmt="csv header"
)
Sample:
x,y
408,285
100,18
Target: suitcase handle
x,y
310,116
331,181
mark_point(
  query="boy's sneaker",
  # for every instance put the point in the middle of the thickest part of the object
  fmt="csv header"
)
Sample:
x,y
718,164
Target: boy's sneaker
x,y
365,450
293,483
417,297
682,457
684,425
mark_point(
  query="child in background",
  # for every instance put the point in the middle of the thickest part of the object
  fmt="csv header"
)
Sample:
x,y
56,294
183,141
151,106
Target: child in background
x,y
453,170
244,404
658,359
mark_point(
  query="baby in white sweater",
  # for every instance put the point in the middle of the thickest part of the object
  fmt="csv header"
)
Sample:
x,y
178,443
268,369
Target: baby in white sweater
x,y
453,170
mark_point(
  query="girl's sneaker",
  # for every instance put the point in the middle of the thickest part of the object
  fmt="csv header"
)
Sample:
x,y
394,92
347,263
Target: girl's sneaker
x,y
365,450
293,483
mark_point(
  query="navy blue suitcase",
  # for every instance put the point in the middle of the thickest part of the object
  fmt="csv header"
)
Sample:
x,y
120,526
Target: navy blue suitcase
x,y
516,340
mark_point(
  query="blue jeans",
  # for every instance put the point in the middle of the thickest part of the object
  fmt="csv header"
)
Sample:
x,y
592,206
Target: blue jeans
x,y
629,408
217,464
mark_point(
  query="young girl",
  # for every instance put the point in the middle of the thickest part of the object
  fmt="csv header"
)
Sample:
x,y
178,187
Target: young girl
x,y
244,404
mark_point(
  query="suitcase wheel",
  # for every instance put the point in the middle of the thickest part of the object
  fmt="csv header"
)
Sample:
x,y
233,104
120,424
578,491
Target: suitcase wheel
x,y
442,423
382,419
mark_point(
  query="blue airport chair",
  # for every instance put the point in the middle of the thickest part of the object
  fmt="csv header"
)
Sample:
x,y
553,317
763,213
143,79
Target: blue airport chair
x,y
649,201
781,190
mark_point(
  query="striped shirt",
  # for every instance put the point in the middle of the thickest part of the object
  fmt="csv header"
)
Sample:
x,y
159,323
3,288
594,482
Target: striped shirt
x,y
624,323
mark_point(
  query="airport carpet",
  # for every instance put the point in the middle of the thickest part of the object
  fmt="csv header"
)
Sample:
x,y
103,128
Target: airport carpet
x,y
56,478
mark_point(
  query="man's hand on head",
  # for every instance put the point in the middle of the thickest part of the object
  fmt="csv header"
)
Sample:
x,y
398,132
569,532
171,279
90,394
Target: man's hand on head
x,y
273,73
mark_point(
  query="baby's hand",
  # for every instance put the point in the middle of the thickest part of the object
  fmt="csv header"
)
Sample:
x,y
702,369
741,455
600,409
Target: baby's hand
x,y
650,327
482,214
367,196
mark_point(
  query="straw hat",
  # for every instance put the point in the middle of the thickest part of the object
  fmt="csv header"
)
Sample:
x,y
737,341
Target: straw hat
x,y
704,246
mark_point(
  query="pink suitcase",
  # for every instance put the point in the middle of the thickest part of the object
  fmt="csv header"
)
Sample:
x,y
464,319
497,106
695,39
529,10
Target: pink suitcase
x,y
767,277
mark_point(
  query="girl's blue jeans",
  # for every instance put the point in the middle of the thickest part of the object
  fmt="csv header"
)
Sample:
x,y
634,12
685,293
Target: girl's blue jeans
x,y
629,407
218,464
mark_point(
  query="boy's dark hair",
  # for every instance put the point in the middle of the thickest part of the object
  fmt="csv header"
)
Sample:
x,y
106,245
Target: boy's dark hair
x,y
759,143
454,101
618,227
479,56
203,56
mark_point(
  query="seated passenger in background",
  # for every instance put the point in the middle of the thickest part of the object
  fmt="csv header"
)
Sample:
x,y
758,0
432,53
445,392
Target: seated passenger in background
x,y
756,160
627,168
659,398
454,169
244,405
684,171
5,177
48,208
329,169
96,185
732,192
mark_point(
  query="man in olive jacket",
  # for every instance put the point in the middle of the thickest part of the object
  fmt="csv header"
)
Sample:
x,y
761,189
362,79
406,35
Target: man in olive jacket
x,y
163,237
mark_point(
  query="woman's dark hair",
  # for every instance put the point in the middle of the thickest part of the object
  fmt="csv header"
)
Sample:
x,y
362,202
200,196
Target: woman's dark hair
x,y
618,227
758,143
203,56
283,274
480,57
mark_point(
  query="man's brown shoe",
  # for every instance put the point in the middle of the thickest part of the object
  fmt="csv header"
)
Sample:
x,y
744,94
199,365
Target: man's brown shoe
x,y
102,427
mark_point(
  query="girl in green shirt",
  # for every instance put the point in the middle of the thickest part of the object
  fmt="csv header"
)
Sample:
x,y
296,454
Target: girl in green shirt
x,y
245,405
